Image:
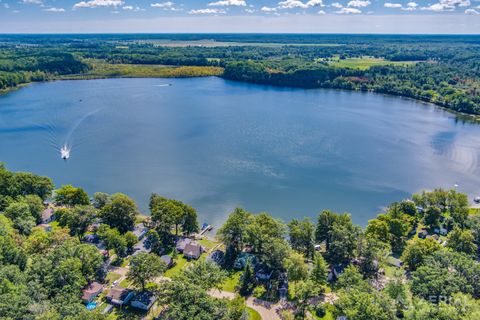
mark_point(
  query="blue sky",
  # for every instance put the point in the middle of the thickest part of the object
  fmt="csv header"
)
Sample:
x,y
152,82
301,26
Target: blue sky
x,y
343,16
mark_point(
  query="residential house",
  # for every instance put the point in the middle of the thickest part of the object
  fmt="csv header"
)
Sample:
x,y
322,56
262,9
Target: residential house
x,y
181,243
443,231
90,292
242,260
143,300
193,250
168,261
423,234
119,296
216,256
48,215
91,238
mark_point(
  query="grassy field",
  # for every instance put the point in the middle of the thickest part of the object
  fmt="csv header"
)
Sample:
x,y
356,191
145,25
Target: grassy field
x,y
231,282
253,315
181,262
365,63
100,69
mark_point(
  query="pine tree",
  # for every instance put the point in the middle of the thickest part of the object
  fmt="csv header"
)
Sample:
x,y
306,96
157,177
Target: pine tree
x,y
319,272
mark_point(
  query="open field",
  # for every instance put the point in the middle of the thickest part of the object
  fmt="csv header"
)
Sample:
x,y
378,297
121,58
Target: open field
x,y
365,63
100,69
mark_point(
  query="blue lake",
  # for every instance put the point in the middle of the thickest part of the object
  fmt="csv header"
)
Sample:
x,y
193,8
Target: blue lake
x,y
218,144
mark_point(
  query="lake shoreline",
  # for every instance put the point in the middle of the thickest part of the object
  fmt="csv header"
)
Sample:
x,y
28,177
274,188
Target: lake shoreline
x,y
461,115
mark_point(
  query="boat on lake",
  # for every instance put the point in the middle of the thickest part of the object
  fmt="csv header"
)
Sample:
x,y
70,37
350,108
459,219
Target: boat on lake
x,y
65,152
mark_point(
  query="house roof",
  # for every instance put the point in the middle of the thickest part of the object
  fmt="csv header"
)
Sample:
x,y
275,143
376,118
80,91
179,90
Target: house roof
x,y
167,259
47,214
192,249
181,243
92,290
145,297
118,293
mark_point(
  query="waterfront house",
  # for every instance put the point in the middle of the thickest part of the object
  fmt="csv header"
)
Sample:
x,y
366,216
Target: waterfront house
x,y
193,250
181,243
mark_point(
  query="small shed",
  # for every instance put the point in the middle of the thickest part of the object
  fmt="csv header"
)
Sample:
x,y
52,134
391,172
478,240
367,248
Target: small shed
x,y
168,260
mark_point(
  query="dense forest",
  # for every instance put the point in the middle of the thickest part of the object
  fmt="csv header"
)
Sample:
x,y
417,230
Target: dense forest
x,y
64,255
444,70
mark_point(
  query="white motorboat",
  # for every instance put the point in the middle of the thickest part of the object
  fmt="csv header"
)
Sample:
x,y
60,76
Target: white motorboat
x,y
65,152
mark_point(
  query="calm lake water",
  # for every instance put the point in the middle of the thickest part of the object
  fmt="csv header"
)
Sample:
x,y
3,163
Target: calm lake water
x,y
218,144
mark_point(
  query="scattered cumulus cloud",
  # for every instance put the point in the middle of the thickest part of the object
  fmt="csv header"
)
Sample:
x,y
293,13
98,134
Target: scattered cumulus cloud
x,y
336,5
229,3
348,11
447,5
472,11
132,8
321,12
392,5
98,3
290,4
207,11
32,1
411,6
359,3
249,10
53,9
268,9
165,6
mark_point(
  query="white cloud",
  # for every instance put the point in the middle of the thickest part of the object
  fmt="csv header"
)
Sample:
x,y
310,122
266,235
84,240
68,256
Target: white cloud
x,y
321,12
165,5
447,5
207,11
392,5
348,11
359,3
268,9
249,10
53,9
224,3
290,4
411,6
32,1
336,5
98,3
472,11
133,8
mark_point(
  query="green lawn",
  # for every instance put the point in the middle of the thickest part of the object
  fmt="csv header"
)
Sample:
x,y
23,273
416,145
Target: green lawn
x,y
208,244
181,262
365,63
474,211
253,315
231,282
125,283
112,276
